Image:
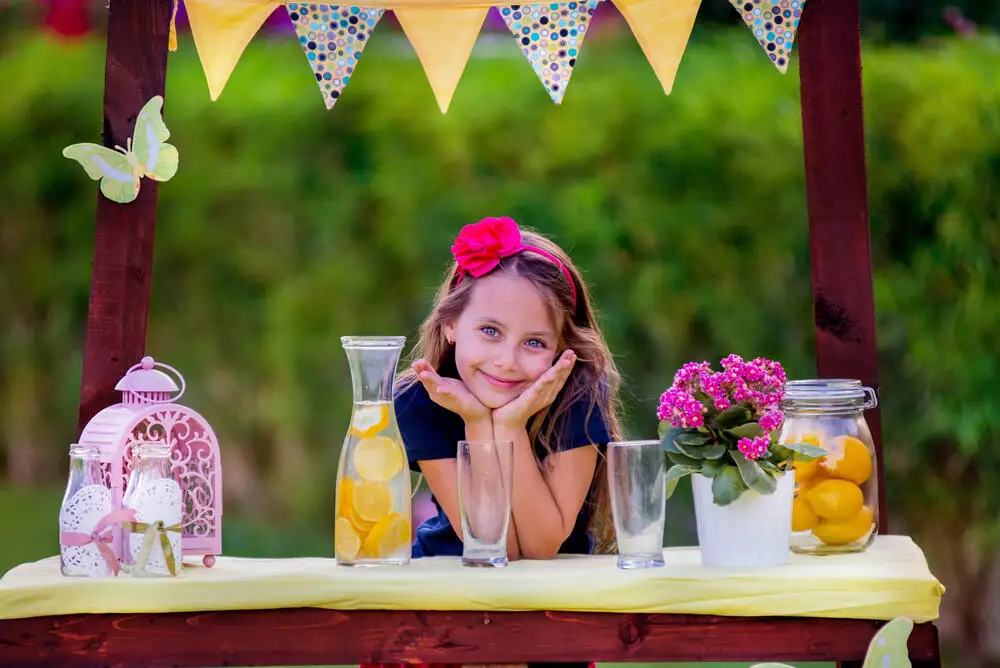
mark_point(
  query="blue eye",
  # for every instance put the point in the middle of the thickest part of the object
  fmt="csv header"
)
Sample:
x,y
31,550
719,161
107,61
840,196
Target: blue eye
x,y
536,343
491,332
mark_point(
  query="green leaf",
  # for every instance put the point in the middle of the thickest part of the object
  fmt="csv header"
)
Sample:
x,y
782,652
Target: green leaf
x,y
748,430
691,437
727,486
732,416
663,428
694,452
713,467
714,451
753,475
780,453
684,460
667,439
805,452
674,474
768,466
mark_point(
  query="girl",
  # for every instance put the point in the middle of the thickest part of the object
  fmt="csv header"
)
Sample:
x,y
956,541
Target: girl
x,y
512,352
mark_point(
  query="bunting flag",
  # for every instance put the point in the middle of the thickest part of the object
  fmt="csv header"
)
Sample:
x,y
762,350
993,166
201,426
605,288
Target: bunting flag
x,y
333,38
550,36
774,24
662,30
221,32
443,40
444,32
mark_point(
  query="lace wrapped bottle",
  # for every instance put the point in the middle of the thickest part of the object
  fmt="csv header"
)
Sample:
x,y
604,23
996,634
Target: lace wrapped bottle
x,y
153,537
87,518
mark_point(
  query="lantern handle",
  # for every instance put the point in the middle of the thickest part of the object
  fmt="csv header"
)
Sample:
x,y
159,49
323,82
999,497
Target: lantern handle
x,y
147,363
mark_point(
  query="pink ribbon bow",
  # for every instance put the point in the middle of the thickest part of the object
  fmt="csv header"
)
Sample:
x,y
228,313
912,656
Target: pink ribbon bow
x,y
480,247
101,535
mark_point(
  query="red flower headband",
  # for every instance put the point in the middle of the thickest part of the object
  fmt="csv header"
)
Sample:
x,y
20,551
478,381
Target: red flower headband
x,y
480,247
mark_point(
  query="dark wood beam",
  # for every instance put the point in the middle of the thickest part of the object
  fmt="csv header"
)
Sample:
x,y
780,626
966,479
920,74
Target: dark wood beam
x,y
833,134
309,636
135,71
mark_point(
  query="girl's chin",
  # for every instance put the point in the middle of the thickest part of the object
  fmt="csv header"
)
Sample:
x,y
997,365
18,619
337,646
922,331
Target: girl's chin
x,y
494,399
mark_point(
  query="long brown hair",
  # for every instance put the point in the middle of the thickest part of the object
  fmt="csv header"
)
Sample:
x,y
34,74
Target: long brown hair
x,y
594,376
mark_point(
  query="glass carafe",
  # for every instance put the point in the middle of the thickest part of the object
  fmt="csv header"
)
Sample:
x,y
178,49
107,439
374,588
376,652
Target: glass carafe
x,y
835,508
373,477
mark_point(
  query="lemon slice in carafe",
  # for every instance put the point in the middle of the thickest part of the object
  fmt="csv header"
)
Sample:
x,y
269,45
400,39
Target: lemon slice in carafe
x,y
369,419
347,543
378,458
389,535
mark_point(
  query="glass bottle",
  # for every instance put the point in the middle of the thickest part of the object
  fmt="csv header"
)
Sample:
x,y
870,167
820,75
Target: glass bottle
x,y
85,535
835,509
154,497
373,477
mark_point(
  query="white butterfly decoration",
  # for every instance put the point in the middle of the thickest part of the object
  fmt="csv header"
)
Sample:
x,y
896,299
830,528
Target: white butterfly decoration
x,y
886,650
120,169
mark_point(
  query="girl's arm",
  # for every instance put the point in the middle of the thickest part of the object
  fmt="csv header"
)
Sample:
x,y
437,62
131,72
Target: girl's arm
x,y
442,474
546,502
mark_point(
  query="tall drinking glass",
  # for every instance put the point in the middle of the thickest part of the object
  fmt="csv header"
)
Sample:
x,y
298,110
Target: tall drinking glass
x,y
485,477
638,501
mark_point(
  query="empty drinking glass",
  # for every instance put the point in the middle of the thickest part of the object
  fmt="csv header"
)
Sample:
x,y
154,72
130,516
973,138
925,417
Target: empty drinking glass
x,y
485,476
638,501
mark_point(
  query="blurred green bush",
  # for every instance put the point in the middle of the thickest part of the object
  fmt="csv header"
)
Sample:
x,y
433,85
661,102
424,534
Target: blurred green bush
x,y
288,226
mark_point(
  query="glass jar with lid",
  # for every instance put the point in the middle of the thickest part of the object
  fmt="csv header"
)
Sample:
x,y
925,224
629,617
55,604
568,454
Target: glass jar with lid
x,y
835,509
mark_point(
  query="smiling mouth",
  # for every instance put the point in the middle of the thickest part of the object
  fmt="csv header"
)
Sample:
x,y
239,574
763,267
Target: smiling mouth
x,y
500,382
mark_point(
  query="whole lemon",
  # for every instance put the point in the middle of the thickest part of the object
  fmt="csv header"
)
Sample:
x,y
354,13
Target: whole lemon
x,y
806,470
846,531
803,517
847,458
835,500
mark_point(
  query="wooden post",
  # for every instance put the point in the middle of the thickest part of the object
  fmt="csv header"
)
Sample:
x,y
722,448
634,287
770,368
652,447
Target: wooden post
x,y
135,70
837,192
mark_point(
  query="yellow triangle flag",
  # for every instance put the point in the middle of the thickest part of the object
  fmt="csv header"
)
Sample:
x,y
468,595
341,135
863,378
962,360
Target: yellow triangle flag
x,y
221,32
662,28
443,39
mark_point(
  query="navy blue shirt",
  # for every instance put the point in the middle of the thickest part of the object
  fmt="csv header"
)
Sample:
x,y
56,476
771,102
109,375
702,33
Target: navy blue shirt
x,y
431,431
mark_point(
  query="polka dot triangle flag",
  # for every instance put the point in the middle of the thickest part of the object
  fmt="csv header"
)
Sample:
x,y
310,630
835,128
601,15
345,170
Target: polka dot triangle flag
x,y
333,38
774,24
550,36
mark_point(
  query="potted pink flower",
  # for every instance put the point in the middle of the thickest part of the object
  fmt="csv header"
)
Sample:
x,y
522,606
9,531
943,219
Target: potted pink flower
x,y
721,428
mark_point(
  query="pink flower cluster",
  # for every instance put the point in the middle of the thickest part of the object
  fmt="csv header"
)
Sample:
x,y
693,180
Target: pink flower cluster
x,y
759,384
753,448
681,409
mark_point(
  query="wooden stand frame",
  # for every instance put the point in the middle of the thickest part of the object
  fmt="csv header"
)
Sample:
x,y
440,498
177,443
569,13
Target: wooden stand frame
x,y
834,148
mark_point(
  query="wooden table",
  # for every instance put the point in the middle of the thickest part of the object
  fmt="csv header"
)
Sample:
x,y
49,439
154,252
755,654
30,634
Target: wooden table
x,y
309,611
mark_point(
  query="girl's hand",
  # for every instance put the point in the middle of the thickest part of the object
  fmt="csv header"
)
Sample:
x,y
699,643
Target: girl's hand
x,y
450,393
541,393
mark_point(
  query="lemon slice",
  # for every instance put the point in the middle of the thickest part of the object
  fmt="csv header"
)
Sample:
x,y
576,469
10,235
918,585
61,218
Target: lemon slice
x,y
389,535
369,419
372,501
346,542
378,458
345,507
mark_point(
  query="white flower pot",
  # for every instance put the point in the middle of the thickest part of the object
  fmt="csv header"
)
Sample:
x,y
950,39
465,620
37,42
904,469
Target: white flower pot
x,y
755,530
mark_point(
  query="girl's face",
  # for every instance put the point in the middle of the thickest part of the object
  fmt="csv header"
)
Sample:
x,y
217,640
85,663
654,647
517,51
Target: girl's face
x,y
504,340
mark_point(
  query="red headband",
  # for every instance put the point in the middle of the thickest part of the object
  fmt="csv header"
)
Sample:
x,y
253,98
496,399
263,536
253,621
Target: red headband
x,y
480,247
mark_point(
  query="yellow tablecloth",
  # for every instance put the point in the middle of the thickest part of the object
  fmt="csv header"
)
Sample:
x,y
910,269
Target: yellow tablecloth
x,y
891,579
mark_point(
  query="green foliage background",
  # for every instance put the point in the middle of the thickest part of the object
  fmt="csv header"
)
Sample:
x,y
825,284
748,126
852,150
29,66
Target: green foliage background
x,y
288,226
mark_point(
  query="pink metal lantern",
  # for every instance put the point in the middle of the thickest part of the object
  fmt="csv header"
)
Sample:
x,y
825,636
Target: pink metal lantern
x,y
149,412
